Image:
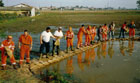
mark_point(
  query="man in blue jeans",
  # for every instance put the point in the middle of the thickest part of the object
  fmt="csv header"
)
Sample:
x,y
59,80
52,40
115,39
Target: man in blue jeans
x,y
122,31
45,41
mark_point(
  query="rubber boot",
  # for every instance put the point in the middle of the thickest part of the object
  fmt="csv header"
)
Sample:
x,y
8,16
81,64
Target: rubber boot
x,y
72,48
40,56
3,67
67,49
14,66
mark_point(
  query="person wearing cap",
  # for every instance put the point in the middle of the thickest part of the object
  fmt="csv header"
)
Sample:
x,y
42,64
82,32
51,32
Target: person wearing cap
x,y
45,41
58,34
80,36
7,49
25,46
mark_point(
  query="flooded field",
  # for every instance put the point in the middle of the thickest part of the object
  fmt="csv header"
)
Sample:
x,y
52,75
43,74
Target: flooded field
x,y
111,62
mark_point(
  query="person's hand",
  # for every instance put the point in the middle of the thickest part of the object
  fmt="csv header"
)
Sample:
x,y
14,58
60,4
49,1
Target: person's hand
x,y
19,47
65,38
41,42
30,48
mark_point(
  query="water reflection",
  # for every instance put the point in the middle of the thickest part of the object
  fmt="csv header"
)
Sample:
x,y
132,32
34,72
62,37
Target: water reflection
x,y
103,50
92,58
124,48
79,60
69,66
130,47
110,49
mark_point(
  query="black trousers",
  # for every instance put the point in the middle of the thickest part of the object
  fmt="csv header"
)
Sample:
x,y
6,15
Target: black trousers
x,y
45,45
57,47
122,32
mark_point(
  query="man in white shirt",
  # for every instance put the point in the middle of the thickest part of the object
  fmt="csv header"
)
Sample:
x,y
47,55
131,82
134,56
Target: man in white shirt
x,y
58,34
45,41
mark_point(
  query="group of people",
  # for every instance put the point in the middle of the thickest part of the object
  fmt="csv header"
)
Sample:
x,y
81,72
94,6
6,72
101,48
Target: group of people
x,y
25,41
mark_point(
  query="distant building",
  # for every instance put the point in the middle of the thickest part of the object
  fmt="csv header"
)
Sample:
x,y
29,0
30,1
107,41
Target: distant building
x,y
20,9
81,9
45,8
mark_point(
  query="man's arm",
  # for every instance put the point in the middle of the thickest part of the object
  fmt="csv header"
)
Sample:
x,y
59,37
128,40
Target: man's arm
x,y
31,44
19,44
41,39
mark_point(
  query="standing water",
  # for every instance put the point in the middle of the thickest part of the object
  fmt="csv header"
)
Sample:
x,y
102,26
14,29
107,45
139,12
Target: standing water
x,y
111,62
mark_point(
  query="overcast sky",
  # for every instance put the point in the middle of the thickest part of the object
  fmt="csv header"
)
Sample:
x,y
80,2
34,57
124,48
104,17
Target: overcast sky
x,y
89,3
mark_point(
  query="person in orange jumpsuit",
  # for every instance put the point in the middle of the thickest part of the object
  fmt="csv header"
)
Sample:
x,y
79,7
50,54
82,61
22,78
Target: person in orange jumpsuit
x,y
80,36
88,36
93,34
25,45
104,32
69,36
10,44
132,27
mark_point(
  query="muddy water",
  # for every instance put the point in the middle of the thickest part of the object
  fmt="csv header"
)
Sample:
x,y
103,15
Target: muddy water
x,y
111,62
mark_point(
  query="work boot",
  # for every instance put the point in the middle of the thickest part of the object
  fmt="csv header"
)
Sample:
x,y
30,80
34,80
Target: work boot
x,y
67,50
27,62
3,67
14,66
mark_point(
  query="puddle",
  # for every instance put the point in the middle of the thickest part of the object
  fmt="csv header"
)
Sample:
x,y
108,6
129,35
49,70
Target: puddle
x,y
111,62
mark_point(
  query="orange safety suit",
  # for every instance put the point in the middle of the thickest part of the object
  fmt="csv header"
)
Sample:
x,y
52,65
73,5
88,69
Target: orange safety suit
x,y
88,36
80,36
104,32
69,36
25,48
132,30
93,34
11,45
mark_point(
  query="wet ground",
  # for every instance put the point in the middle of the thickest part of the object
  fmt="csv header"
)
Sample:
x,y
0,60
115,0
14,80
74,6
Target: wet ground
x,y
111,62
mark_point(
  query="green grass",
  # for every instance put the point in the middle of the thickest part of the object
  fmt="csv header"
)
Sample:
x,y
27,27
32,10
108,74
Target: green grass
x,y
69,18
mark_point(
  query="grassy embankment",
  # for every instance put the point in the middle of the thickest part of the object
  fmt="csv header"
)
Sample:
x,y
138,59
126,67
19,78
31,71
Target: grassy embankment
x,y
69,18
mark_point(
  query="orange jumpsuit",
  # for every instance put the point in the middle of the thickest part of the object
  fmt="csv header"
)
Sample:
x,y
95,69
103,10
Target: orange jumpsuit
x,y
88,36
11,45
132,30
80,36
104,33
69,35
25,48
93,34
